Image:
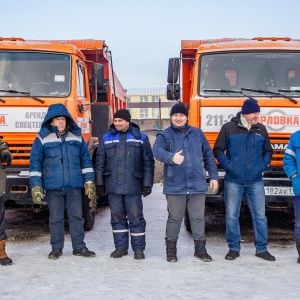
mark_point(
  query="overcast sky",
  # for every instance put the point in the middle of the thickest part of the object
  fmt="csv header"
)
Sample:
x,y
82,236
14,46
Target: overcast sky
x,y
142,34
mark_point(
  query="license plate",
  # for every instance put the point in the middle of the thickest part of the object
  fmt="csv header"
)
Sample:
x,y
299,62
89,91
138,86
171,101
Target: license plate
x,y
279,191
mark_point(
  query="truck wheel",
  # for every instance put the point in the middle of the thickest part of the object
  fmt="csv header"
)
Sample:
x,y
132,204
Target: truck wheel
x,y
89,217
187,223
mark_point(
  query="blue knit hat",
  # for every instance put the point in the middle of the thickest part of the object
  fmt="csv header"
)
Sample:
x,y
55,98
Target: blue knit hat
x,y
250,106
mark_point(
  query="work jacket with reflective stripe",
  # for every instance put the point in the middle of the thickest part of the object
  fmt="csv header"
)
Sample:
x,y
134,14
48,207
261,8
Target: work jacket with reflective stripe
x,y
125,161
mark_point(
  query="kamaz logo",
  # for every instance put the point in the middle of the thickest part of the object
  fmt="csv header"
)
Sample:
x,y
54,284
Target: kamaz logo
x,y
279,146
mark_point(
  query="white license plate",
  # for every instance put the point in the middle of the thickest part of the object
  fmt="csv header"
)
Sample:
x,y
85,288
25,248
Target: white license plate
x,y
279,191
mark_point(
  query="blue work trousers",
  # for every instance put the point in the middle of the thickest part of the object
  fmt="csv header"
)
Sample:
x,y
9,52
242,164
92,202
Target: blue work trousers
x,y
127,217
58,202
255,197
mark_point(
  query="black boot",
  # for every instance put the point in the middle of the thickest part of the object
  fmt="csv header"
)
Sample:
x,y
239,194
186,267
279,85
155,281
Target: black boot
x,y
171,251
298,249
200,251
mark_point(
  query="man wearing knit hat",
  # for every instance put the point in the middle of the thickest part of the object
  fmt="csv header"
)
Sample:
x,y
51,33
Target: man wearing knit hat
x,y
125,171
187,155
244,150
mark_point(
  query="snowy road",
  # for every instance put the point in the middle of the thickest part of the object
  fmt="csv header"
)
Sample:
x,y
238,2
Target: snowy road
x,y
34,276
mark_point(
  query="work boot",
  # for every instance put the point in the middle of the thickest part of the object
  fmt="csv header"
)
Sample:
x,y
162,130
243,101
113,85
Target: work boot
x,y
139,254
298,249
55,254
266,256
118,253
200,251
4,259
171,251
232,255
85,252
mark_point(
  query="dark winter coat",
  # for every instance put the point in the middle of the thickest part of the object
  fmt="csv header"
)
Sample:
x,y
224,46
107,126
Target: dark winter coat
x,y
3,146
244,154
190,176
124,161
60,163
291,161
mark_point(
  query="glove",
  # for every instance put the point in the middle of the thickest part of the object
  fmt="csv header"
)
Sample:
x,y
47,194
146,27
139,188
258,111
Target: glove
x,y
90,190
37,194
6,157
100,190
146,191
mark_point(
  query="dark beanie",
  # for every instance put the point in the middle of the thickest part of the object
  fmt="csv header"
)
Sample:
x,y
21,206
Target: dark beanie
x,y
179,108
123,114
250,106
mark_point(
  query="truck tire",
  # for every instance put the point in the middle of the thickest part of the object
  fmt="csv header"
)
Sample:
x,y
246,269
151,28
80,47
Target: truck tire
x,y
89,217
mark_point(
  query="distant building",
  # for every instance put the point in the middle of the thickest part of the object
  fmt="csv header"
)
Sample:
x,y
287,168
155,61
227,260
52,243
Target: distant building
x,y
148,103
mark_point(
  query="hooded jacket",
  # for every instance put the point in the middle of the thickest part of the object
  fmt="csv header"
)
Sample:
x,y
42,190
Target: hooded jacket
x,y
244,154
59,163
291,161
190,176
124,161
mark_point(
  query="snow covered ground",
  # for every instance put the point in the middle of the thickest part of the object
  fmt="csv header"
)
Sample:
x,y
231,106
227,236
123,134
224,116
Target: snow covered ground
x,y
34,276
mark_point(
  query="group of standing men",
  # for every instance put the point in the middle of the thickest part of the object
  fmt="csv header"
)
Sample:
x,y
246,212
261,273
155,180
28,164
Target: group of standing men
x,y
60,166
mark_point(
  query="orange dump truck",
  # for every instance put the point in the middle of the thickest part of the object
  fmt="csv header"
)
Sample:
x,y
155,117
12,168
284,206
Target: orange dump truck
x,y
36,74
216,76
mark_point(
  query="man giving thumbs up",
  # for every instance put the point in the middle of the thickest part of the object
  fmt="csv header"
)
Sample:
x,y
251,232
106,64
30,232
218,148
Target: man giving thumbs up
x,y
185,152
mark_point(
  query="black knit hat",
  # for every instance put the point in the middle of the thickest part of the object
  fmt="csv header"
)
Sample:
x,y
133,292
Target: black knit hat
x,y
179,108
250,106
123,114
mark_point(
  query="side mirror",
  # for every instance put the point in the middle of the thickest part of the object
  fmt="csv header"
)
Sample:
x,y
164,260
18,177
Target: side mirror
x,y
173,91
98,76
173,70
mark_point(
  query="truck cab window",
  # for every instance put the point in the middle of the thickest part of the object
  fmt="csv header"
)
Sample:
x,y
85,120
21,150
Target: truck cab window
x,y
80,88
261,70
38,73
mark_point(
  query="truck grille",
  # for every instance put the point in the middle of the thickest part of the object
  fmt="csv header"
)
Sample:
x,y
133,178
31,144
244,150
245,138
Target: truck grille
x,y
21,153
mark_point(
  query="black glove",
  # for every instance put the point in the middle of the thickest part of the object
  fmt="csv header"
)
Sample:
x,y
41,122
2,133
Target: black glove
x,y
6,157
146,191
100,191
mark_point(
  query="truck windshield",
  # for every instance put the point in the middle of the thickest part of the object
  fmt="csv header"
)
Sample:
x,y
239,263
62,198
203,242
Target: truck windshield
x,y
255,71
39,74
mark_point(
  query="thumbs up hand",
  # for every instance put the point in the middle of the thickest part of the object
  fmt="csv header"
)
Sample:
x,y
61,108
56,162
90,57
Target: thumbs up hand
x,y
178,158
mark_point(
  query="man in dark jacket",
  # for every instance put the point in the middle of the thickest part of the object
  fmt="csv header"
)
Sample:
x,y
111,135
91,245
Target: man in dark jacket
x,y
6,157
125,171
243,149
60,164
187,155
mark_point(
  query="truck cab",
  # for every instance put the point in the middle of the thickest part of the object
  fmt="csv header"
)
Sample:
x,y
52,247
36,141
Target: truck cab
x,y
217,76
36,74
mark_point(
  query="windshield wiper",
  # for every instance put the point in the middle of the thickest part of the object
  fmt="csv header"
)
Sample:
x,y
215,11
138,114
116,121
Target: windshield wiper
x,y
223,91
226,91
270,93
27,94
289,91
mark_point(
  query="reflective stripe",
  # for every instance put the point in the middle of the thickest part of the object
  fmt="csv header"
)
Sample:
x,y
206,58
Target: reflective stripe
x,y
290,152
121,230
137,234
73,138
136,141
52,138
87,170
39,174
112,141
